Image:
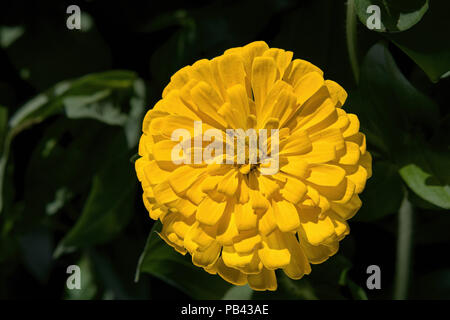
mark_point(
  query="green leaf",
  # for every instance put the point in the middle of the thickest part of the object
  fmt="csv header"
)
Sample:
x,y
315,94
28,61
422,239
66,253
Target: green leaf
x,y
37,247
239,293
388,104
4,149
427,43
58,53
108,276
3,126
395,16
385,184
89,287
79,92
162,261
427,173
103,96
434,285
432,228
357,292
9,34
109,205
62,155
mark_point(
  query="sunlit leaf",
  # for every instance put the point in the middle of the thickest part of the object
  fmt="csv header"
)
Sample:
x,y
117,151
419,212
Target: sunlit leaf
x,y
428,175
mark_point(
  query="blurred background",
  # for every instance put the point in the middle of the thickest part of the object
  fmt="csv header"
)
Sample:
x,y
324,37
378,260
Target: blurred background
x,y
71,107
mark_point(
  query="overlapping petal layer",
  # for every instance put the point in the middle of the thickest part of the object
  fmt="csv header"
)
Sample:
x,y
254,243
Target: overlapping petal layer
x,y
233,220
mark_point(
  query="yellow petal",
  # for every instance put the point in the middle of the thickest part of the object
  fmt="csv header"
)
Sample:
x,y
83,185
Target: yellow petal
x,y
326,175
164,193
185,207
239,108
297,69
178,80
297,143
320,253
353,127
274,254
322,152
352,154
294,190
245,217
295,166
231,275
264,72
208,102
282,58
247,244
231,69
227,230
267,186
359,178
366,162
318,231
348,209
267,222
337,93
194,193
331,136
210,211
162,151
250,52
207,257
229,184
286,215
183,177
233,259
154,174
307,86
298,265
323,117
265,280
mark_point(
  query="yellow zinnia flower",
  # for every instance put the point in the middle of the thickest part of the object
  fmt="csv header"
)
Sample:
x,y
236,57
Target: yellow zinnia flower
x,y
232,219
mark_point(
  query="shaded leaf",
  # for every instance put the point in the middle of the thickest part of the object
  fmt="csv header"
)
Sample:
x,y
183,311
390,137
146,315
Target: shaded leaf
x,y
395,16
37,247
85,89
59,169
109,205
432,228
58,53
427,43
388,104
434,285
162,261
357,292
239,293
88,286
4,149
385,184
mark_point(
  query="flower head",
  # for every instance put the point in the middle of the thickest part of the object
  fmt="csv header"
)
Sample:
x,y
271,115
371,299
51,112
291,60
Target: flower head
x,y
230,216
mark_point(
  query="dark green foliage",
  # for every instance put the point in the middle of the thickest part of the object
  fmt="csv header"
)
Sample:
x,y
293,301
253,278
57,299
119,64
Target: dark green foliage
x,y
71,108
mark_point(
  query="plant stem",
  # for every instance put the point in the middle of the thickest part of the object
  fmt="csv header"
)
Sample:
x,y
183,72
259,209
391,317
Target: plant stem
x,y
404,244
350,29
